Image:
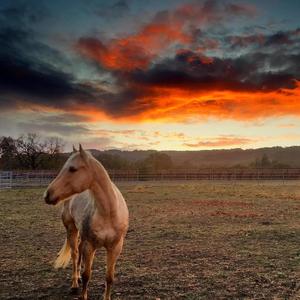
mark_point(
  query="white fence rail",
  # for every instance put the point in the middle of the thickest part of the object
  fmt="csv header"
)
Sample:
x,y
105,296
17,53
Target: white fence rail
x,y
15,179
6,179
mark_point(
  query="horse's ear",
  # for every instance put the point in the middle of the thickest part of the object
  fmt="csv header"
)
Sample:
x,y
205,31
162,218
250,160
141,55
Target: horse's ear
x,y
82,152
80,148
74,149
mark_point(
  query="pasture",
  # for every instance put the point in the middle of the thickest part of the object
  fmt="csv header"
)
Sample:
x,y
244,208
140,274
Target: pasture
x,y
187,240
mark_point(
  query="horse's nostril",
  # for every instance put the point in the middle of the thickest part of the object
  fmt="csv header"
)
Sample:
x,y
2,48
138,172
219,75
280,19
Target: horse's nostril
x,y
46,196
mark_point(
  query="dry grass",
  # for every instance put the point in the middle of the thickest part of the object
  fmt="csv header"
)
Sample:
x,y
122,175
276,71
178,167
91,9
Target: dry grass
x,y
187,240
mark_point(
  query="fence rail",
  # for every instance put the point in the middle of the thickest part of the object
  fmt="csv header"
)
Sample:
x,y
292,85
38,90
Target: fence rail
x,y
13,179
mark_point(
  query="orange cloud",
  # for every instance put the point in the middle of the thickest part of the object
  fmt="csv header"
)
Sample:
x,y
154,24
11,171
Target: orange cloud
x,y
222,141
190,85
167,28
179,105
137,50
288,125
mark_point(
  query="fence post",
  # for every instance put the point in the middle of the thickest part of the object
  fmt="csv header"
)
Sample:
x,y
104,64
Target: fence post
x,y
10,179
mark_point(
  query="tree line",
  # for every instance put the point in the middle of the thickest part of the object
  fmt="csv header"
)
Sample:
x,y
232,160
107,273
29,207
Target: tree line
x,y
266,162
32,152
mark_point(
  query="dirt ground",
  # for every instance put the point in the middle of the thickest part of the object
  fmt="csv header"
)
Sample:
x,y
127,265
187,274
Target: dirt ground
x,y
187,240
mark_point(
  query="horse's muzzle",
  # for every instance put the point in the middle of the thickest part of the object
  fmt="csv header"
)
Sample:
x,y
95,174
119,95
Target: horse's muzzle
x,y
50,200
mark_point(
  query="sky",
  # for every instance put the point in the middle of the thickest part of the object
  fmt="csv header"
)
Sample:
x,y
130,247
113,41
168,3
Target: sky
x,y
164,75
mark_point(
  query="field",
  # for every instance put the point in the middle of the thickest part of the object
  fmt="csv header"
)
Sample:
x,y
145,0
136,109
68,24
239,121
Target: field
x,y
187,240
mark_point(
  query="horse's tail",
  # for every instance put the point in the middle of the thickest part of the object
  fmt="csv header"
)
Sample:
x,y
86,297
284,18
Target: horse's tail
x,y
63,256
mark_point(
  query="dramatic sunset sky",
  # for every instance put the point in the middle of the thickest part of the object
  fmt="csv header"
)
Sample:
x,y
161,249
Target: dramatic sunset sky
x,y
155,74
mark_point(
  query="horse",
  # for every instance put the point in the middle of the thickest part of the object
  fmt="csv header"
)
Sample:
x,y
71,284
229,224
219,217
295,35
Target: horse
x,y
94,214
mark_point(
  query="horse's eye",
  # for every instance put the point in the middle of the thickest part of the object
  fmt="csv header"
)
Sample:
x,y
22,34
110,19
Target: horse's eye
x,y
72,169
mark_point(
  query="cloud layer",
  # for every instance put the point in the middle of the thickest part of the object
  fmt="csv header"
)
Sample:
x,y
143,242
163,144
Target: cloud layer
x,y
178,65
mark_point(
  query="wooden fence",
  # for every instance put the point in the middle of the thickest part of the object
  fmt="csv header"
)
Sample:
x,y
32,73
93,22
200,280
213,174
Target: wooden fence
x,y
11,179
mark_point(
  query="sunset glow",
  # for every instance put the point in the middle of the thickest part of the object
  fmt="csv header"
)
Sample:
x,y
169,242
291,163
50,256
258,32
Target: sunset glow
x,y
177,75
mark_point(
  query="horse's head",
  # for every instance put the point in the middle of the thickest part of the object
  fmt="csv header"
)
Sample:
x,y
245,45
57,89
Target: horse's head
x,y
75,177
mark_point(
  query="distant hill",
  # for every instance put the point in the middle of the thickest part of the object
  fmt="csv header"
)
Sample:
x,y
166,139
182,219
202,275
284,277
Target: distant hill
x,y
226,158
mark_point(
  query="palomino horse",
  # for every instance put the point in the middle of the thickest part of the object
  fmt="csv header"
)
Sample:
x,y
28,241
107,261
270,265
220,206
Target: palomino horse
x,y
95,215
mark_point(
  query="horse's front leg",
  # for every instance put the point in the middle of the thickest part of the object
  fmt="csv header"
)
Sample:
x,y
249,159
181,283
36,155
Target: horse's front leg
x,y
111,259
88,252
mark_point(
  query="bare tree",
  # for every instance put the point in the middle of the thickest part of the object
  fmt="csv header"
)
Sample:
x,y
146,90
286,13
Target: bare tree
x,y
30,148
7,152
33,151
54,147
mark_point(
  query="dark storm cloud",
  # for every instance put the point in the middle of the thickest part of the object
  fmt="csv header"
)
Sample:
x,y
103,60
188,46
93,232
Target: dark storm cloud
x,y
27,74
26,78
32,73
38,83
22,77
188,70
24,72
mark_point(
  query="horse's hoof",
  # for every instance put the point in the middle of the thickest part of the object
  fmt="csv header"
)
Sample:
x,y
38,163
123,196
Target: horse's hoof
x,y
74,291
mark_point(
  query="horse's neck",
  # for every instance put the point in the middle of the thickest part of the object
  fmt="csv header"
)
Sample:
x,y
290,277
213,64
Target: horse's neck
x,y
103,192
